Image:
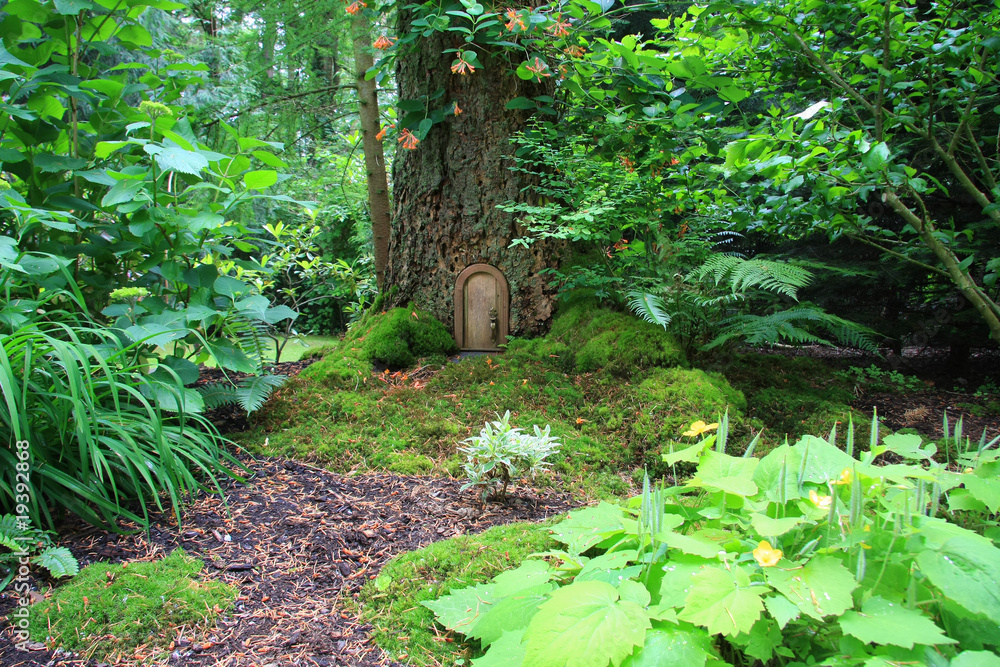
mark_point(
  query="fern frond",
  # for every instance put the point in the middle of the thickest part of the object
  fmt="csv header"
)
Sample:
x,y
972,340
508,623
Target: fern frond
x,y
796,326
648,307
217,394
59,561
250,336
743,274
254,391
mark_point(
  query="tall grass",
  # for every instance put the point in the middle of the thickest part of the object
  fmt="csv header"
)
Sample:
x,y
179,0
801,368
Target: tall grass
x,y
106,440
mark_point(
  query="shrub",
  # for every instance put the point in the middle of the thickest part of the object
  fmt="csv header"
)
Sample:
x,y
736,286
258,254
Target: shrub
x,y
102,434
499,452
805,556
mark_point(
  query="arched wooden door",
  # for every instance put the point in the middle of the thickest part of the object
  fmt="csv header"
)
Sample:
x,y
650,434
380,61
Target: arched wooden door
x,y
482,308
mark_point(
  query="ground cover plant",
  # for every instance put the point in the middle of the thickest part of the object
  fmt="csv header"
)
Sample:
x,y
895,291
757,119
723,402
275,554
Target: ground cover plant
x,y
809,554
113,609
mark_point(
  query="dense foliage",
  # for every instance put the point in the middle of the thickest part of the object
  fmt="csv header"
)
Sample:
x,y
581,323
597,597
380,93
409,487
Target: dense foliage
x,y
806,555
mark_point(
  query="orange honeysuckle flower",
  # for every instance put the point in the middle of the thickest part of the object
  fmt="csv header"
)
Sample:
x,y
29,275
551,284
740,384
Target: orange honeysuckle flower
x,y
558,29
515,20
381,135
383,42
355,7
845,477
457,110
460,65
574,51
409,140
767,555
538,68
822,502
698,428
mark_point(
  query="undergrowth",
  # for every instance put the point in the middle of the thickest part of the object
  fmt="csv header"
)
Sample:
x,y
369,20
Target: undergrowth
x,y
113,610
402,626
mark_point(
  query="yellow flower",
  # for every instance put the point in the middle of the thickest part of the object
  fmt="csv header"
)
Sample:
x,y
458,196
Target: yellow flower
x,y
820,501
968,471
766,555
845,477
698,428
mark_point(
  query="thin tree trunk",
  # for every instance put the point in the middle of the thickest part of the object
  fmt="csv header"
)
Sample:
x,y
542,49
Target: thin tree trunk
x,y
378,183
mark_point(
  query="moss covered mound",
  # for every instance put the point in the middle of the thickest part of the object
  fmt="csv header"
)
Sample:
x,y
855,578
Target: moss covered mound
x,y
395,339
120,607
617,342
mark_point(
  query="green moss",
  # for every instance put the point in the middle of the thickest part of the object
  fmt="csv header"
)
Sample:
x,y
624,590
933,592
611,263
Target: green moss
x,y
391,603
408,463
119,607
340,368
618,342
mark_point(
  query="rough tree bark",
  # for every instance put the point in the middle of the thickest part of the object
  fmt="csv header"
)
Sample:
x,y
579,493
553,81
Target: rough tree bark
x,y
378,185
446,191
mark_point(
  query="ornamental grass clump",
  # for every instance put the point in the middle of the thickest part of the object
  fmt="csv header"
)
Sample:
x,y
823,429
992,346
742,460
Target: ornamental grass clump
x,y
500,452
808,555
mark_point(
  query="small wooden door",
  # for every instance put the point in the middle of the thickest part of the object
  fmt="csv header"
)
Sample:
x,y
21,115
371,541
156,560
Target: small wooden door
x,y
481,308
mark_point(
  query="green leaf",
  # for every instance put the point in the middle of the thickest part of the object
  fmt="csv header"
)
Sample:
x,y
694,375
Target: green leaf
x,y
230,357
723,601
461,609
678,578
694,544
976,659
520,103
513,612
781,609
683,645
53,164
821,588
270,159
768,527
585,625
135,34
72,7
230,287
984,489
962,564
726,473
258,180
186,370
153,333
254,391
529,574
584,528
122,192
508,651
884,622
175,158
688,454
876,157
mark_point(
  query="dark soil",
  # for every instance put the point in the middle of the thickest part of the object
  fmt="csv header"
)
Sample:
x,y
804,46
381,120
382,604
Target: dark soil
x,y
295,540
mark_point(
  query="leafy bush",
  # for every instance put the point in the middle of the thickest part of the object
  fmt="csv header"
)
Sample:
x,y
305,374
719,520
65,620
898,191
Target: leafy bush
x,y
119,607
803,556
102,433
24,540
874,378
499,452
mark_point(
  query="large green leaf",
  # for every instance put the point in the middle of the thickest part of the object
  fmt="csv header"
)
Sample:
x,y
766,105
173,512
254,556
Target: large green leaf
x,y
884,622
723,601
508,651
461,609
962,564
585,624
513,612
976,659
175,158
821,588
722,472
258,180
153,333
584,528
678,578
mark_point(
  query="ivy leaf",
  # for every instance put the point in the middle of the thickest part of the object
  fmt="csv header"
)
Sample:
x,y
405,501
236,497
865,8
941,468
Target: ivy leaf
x,y
723,601
729,474
585,625
461,609
821,588
682,645
884,622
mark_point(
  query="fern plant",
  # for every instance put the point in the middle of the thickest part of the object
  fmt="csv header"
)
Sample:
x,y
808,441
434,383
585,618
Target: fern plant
x,y
712,307
20,539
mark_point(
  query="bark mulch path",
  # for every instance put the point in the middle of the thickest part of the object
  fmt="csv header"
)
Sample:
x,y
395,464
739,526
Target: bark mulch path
x,y
295,541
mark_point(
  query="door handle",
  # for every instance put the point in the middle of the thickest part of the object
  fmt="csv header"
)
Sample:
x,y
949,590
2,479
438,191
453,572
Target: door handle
x,y
493,325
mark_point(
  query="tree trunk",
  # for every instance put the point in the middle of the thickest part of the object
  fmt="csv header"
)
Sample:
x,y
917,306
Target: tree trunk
x,y
378,185
447,190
